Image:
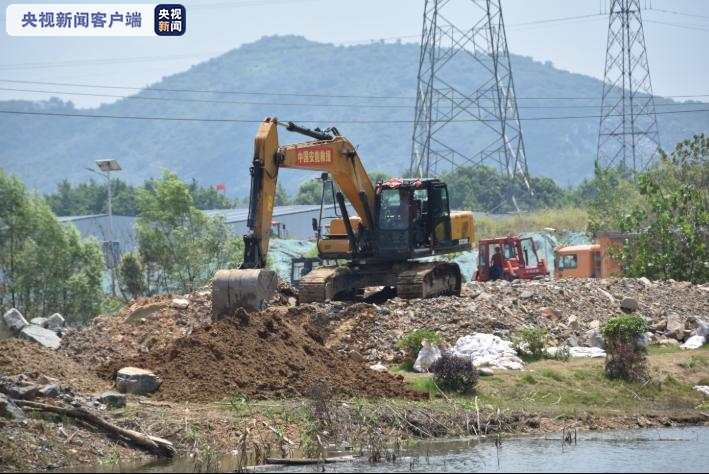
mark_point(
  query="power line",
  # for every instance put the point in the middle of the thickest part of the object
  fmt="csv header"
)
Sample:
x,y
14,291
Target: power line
x,y
291,94
355,122
299,104
673,12
678,25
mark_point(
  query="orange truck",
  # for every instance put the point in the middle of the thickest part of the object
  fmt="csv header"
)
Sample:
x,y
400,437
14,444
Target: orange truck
x,y
591,260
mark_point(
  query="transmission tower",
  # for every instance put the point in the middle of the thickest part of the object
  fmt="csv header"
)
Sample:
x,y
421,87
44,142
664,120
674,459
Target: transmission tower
x,y
466,109
628,134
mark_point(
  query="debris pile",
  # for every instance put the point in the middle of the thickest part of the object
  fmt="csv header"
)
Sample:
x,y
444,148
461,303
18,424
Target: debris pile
x,y
571,311
40,366
146,325
260,355
44,331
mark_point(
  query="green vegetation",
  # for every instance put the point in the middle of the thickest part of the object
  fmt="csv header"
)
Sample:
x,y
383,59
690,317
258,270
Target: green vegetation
x,y
130,275
92,198
44,266
531,343
482,188
580,388
411,343
180,247
626,358
569,218
671,229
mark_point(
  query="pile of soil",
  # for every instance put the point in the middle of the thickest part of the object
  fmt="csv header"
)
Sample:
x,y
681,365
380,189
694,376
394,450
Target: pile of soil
x,y
23,357
143,326
259,355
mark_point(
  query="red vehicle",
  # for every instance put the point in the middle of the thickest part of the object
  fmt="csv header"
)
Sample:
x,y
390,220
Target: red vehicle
x,y
519,259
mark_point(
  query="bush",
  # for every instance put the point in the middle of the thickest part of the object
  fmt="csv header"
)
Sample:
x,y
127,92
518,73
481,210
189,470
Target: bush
x,y
130,274
454,374
411,343
626,356
531,342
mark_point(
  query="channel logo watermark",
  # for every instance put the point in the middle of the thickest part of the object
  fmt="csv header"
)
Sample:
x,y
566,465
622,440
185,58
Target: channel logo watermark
x,y
96,19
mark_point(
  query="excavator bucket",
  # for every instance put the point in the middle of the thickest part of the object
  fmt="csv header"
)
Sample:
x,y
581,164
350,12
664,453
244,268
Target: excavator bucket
x,y
248,289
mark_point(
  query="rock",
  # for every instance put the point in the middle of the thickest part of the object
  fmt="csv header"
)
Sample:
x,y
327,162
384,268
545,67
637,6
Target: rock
x,y
526,295
607,295
572,342
21,392
41,336
137,381
378,367
41,322
629,304
14,321
645,282
551,313
485,372
357,357
661,326
703,389
644,340
573,322
595,339
179,303
55,322
675,327
112,399
50,391
8,409
703,329
595,324
666,341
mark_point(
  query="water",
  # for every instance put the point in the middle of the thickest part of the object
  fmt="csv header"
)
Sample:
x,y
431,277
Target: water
x,y
664,450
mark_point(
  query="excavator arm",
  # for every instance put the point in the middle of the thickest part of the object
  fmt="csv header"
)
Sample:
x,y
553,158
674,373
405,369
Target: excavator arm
x,y
252,285
329,153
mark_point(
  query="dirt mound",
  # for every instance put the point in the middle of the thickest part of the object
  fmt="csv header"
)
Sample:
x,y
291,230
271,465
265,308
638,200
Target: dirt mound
x,y
24,357
146,325
260,355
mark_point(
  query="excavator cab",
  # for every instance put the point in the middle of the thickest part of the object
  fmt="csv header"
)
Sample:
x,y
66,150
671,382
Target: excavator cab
x,y
413,218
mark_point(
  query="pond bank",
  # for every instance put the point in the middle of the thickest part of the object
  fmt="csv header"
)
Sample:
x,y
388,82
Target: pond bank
x,y
549,397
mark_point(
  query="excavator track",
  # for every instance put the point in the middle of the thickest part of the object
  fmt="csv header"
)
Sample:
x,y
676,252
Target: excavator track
x,y
411,279
428,280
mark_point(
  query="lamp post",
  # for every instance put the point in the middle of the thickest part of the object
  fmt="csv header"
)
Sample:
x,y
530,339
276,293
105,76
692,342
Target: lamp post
x,y
107,166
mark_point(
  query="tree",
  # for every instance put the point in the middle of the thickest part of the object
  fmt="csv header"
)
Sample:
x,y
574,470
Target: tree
x,y
180,247
44,266
282,198
482,188
609,197
670,234
310,192
130,274
208,197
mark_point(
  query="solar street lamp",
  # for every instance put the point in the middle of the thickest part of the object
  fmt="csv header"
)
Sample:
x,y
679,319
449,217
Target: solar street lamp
x,y
106,166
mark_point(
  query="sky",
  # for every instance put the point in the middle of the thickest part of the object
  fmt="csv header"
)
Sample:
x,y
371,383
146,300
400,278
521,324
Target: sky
x,y
676,31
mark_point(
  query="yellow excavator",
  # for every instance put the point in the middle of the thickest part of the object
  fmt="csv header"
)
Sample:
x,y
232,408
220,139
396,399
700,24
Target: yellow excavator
x,y
398,223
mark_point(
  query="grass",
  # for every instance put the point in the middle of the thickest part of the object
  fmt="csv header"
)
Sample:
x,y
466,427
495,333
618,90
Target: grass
x,y
572,219
554,388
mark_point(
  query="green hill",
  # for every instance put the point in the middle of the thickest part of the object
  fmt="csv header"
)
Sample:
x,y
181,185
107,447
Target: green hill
x,y
43,150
